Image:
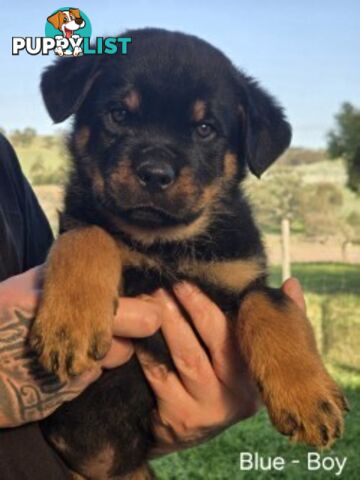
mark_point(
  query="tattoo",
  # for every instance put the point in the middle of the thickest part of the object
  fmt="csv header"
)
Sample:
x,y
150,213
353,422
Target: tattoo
x,y
27,391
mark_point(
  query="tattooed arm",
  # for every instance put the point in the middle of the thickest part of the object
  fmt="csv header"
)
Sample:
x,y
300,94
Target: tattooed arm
x,y
27,392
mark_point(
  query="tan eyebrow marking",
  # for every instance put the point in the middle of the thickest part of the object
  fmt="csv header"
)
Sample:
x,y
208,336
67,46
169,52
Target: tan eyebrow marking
x,y
132,100
199,110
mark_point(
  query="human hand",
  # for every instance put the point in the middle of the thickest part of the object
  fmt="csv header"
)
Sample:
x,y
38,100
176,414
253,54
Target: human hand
x,y
211,389
28,392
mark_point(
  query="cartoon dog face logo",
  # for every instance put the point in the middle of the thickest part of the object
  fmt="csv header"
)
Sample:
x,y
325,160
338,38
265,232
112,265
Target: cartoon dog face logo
x,y
67,21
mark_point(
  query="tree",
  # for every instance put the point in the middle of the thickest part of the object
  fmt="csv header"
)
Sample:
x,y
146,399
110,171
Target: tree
x,y
350,232
23,138
344,141
321,208
28,135
324,218
278,202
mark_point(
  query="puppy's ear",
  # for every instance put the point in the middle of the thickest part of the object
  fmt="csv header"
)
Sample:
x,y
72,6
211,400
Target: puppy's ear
x,y
55,19
268,133
75,12
66,83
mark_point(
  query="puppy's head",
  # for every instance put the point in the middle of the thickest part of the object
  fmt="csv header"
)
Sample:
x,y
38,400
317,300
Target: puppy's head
x,y
164,133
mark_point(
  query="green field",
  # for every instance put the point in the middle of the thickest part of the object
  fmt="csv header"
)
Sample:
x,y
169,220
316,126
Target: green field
x,y
325,284
219,458
323,278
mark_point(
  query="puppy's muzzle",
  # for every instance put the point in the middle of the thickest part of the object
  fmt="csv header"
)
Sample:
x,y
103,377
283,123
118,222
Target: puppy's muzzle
x,y
155,172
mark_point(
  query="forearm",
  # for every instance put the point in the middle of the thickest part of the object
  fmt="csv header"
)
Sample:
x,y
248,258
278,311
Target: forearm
x,y
28,392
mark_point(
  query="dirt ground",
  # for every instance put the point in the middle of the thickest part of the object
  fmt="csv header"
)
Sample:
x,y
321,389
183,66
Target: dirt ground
x,y
302,249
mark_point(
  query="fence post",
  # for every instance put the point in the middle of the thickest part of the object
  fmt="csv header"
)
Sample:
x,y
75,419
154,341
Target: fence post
x,y
325,328
285,246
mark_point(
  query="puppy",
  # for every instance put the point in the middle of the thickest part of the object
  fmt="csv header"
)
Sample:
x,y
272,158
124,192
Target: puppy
x,y
67,21
161,140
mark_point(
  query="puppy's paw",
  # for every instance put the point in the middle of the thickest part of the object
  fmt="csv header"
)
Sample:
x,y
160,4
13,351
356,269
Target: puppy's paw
x,y
70,336
59,51
77,51
312,413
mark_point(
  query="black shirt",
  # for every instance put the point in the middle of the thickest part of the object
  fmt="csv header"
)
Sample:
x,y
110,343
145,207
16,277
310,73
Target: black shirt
x,y
25,238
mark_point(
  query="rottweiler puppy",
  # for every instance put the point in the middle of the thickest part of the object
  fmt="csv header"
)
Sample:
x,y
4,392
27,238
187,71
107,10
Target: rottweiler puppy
x,y
161,140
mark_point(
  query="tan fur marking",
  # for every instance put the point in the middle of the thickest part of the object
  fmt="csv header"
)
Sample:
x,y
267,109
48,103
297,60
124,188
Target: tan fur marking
x,y
232,275
132,258
199,110
184,185
143,473
100,465
210,194
177,233
81,139
98,180
80,142
132,100
125,175
230,165
76,476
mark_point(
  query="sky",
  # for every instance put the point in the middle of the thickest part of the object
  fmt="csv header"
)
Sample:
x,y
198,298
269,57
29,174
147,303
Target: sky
x,y
305,52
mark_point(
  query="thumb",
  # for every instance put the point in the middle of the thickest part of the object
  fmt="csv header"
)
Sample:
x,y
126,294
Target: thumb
x,y
292,289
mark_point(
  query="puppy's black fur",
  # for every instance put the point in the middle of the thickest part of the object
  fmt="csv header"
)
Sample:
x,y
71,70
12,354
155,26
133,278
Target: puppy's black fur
x,y
161,139
170,72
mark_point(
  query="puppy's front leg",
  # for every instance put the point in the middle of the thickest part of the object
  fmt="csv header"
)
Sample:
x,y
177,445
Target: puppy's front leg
x,y
73,326
278,342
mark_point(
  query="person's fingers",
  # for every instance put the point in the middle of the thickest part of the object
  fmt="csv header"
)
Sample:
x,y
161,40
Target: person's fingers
x,y
292,289
213,328
206,316
121,350
32,279
137,317
163,382
189,357
22,290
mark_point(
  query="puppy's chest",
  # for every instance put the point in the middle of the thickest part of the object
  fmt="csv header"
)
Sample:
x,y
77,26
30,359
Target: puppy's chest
x,y
222,279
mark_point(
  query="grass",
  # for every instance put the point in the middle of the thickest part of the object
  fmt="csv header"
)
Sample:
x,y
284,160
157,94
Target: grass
x,y
323,278
337,286
219,458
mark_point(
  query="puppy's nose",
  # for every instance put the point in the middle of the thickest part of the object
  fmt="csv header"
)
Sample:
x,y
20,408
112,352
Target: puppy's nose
x,y
156,175
79,21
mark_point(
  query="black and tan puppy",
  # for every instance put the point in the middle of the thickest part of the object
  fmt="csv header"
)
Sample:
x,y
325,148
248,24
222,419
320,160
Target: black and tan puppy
x,y
161,140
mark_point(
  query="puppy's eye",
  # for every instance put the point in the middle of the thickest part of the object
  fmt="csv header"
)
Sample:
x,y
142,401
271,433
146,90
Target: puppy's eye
x,y
65,20
119,114
204,130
